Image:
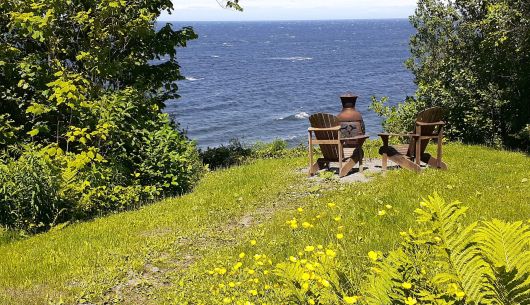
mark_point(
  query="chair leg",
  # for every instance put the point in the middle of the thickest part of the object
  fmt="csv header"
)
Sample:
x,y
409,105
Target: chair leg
x,y
361,167
346,168
310,170
385,162
433,162
417,156
340,156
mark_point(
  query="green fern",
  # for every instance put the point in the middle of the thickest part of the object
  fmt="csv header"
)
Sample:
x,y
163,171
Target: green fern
x,y
505,246
466,266
445,262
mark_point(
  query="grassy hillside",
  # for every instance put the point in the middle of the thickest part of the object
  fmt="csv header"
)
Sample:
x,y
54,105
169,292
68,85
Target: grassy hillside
x,y
163,253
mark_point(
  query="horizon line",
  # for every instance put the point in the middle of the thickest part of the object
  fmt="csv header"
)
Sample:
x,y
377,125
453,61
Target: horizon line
x,y
288,20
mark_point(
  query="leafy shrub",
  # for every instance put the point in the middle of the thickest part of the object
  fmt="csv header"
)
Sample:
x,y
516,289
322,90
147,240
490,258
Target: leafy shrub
x,y
471,57
225,156
399,118
91,107
29,193
237,153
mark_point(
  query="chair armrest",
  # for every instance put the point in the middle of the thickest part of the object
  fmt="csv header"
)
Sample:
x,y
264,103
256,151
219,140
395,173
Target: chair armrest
x,y
334,128
441,123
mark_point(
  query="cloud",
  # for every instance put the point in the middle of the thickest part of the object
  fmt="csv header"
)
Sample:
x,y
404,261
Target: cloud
x,y
291,9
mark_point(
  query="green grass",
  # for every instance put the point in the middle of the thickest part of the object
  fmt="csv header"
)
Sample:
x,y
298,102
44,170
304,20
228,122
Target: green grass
x,y
160,253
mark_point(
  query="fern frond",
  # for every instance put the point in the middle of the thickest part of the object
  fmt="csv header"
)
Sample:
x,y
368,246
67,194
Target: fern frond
x,y
468,268
383,280
506,246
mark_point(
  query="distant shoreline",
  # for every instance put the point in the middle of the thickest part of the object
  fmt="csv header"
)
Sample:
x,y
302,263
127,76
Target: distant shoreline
x,y
282,20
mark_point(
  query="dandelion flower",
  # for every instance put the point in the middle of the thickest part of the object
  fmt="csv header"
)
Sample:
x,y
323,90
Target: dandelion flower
x,y
350,300
381,213
372,255
251,271
306,276
330,253
300,210
406,285
306,225
340,236
253,242
311,302
309,249
338,218
237,266
242,255
388,206
410,301
292,259
332,204
324,283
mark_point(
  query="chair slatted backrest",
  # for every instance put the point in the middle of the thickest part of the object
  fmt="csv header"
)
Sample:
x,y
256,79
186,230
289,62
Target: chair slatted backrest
x,y
326,120
429,115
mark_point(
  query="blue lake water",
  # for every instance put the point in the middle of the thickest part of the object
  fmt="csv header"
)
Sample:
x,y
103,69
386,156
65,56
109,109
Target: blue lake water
x,y
259,81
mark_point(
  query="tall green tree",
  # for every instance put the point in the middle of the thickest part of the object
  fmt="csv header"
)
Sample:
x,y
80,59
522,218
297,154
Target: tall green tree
x,y
472,57
82,88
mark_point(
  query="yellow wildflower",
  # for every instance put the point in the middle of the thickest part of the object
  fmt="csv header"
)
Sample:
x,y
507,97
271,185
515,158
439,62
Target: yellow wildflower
x,y
242,255
350,300
381,213
338,218
306,225
406,285
300,210
324,283
332,204
237,266
253,242
292,259
340,236
330,253
309,249
388,206
311,302
251,271
410,301
372,255
305,276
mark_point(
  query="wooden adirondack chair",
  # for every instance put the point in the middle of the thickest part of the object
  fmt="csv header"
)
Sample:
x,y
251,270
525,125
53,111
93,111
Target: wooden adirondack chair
x,y
429,125
326,129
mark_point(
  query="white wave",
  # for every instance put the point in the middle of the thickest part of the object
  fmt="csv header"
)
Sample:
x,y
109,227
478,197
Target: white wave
x,y
215,56
192,79
293,59
298,116
226,44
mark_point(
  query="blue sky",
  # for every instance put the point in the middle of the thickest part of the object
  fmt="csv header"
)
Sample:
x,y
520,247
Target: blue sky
x,y
209,10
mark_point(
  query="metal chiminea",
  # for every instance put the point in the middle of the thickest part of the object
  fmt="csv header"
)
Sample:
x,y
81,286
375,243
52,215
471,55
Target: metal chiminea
x,y
351,120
